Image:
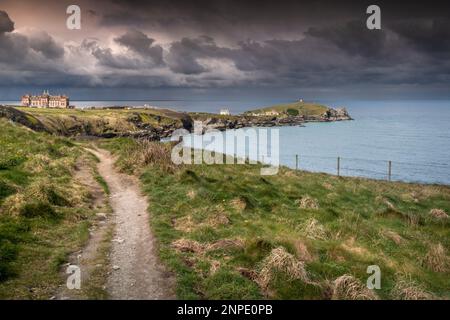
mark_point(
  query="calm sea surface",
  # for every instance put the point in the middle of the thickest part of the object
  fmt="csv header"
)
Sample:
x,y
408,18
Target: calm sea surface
x,y
414,135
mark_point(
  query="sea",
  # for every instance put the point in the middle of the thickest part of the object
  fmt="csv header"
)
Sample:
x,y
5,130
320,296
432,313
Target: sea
x,y
414,136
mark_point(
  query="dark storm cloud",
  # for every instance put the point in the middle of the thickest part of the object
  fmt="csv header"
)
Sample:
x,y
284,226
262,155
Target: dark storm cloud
x,y
429,35
184,54
140,43
13,47
320,44
353,38
106,58
42,42
16,48
6,24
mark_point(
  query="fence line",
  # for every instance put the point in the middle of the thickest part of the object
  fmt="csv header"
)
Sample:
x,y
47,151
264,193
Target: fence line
x,y
441,165
343,164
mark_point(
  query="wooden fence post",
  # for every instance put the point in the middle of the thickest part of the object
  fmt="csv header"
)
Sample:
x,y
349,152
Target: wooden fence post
x,y
339,166
296,162
389,170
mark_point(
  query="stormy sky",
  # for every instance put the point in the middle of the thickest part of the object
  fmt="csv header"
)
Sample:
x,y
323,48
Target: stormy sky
x,y
178,49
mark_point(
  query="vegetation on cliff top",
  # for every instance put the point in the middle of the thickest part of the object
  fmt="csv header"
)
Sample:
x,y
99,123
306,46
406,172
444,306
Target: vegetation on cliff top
x,y
298,108
230,233
102,122
45,212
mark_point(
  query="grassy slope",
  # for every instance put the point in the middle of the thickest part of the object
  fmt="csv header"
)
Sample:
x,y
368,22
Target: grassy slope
x,y
101,121
44,213
303,108
358,223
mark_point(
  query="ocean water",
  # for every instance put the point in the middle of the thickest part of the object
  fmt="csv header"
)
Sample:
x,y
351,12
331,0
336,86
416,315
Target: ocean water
x,y
414,135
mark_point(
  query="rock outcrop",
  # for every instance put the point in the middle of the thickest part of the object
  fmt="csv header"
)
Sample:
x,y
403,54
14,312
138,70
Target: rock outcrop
x,y
338,114
211,121
22,118
152,124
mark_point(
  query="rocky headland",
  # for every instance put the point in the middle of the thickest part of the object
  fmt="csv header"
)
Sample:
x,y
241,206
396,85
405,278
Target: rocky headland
x,y
155,123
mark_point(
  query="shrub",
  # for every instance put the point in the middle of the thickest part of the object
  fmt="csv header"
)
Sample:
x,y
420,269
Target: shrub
x,y
292,112
37,209
149,153
8,253
8,163
5,189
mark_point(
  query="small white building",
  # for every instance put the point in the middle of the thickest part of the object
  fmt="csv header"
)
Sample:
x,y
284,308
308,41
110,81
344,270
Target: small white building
x,y
225,112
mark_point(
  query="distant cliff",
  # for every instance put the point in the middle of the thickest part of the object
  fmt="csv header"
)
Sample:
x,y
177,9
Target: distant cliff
x,y
295,114
154,124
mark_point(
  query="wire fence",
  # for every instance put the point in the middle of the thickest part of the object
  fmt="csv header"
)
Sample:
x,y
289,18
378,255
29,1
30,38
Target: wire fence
x,y
375,169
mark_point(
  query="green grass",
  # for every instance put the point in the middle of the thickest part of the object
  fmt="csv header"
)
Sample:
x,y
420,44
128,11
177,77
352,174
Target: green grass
x,y
101,121
294,109
44,212
358,222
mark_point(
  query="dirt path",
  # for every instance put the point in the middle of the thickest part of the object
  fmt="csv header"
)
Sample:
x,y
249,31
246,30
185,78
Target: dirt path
x,y
136,272
92,258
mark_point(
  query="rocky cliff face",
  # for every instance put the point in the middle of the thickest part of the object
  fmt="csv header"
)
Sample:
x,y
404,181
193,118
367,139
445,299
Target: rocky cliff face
x,y
235,122
149,124
22,118
338,114
107,124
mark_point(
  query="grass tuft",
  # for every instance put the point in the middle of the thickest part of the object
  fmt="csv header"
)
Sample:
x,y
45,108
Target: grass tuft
x,y
347,287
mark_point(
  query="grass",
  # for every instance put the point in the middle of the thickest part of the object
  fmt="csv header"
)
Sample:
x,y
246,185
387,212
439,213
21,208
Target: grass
x,y
229,233
294,109
44,212
101,121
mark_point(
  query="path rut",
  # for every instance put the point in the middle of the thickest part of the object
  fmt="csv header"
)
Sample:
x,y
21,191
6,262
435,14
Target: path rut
x,y
136,272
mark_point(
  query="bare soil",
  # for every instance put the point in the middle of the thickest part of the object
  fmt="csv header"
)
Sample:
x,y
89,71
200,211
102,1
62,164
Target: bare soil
x,y
135,270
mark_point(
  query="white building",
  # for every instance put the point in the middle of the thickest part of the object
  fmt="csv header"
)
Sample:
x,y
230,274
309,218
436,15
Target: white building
x,y
224,112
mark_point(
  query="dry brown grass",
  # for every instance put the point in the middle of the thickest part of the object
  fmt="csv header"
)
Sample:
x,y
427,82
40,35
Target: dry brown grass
x,y
307,202
281,260
351,246
347,287
248,273
302,251
328,186
38,163
185,224
226,244
188,245
218,220
436,259
312,229
215,266
238,204
409,290
191,194
188,224
393,236
46,190
438,214
151,153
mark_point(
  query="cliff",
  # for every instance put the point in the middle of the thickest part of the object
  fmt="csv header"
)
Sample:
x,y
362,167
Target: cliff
x,y
154,124
283,115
